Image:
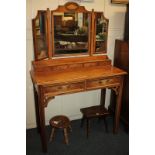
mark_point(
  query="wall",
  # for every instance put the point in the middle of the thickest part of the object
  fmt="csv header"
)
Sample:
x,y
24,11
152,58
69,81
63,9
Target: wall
x,y
69,104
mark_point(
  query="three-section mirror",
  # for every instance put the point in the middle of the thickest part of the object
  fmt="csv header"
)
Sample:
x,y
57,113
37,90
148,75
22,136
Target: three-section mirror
x,y
70,30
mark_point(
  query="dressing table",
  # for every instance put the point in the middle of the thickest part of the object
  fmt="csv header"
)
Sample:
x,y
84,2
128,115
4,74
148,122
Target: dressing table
x,y
70,45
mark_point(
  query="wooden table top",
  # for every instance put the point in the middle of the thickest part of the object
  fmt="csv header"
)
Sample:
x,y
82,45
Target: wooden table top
x,y
73,75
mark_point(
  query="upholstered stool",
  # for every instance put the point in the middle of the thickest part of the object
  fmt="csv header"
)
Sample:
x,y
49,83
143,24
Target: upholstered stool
x,y
60,122
98,111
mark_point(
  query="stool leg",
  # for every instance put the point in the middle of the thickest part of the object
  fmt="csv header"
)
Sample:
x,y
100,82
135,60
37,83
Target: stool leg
x,y
65,136
70,128
105,123
99,119
52,135
87,130
82,121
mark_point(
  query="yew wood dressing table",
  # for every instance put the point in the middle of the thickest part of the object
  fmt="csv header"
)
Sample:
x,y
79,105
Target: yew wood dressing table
x,y
64,66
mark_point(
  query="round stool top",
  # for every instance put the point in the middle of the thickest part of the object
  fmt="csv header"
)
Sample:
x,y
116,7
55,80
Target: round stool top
x,y
60,121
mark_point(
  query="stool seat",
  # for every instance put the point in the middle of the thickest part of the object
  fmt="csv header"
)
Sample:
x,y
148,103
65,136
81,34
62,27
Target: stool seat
x,y
94,111
98,111
60,122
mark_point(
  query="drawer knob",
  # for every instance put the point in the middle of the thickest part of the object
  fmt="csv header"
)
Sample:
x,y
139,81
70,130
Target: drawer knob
x,y
101,82
63,87
60,87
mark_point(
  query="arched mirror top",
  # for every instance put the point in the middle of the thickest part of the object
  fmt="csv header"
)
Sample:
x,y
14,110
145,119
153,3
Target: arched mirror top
x,y
70,7
71,33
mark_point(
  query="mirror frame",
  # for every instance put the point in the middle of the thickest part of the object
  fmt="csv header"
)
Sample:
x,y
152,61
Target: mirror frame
x,y
49,23
67,8
106,40
35,35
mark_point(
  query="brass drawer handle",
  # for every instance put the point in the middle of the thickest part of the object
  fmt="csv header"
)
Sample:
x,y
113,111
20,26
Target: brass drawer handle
x,y
60,87
108,80
101,82
63,87
104,81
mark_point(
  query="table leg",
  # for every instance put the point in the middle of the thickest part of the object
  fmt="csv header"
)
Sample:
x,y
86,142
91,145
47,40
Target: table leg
x,y
36,108
118,107
102,99
42,120
82,121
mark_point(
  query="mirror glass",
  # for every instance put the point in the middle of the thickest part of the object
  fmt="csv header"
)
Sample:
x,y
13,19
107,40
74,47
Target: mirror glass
x,y
101,33
40,31
71,31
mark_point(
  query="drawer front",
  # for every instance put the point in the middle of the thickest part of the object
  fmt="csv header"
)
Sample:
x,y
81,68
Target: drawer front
x,y
62,67
101,83
64,88
75,65
90,64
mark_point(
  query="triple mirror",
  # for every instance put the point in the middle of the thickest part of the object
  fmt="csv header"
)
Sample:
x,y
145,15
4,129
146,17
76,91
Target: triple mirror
x,y
70,30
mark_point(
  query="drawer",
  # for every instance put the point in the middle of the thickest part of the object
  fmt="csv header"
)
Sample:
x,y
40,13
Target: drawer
x,y
64,88
90,64
62,67
75,65
99,83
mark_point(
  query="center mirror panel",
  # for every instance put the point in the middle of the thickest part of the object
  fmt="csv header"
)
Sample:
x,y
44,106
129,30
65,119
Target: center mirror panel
x,y
71,33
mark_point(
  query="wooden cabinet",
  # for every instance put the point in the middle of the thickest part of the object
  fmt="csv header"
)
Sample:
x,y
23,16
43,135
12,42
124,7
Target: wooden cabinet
x,y
121,60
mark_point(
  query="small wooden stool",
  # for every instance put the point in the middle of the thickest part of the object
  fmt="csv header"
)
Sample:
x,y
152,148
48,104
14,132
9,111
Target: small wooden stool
x,y
98,111
60,122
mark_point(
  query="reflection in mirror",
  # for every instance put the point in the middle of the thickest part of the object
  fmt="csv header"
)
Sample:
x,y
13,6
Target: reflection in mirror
x,y
70,32
101,33
40,29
